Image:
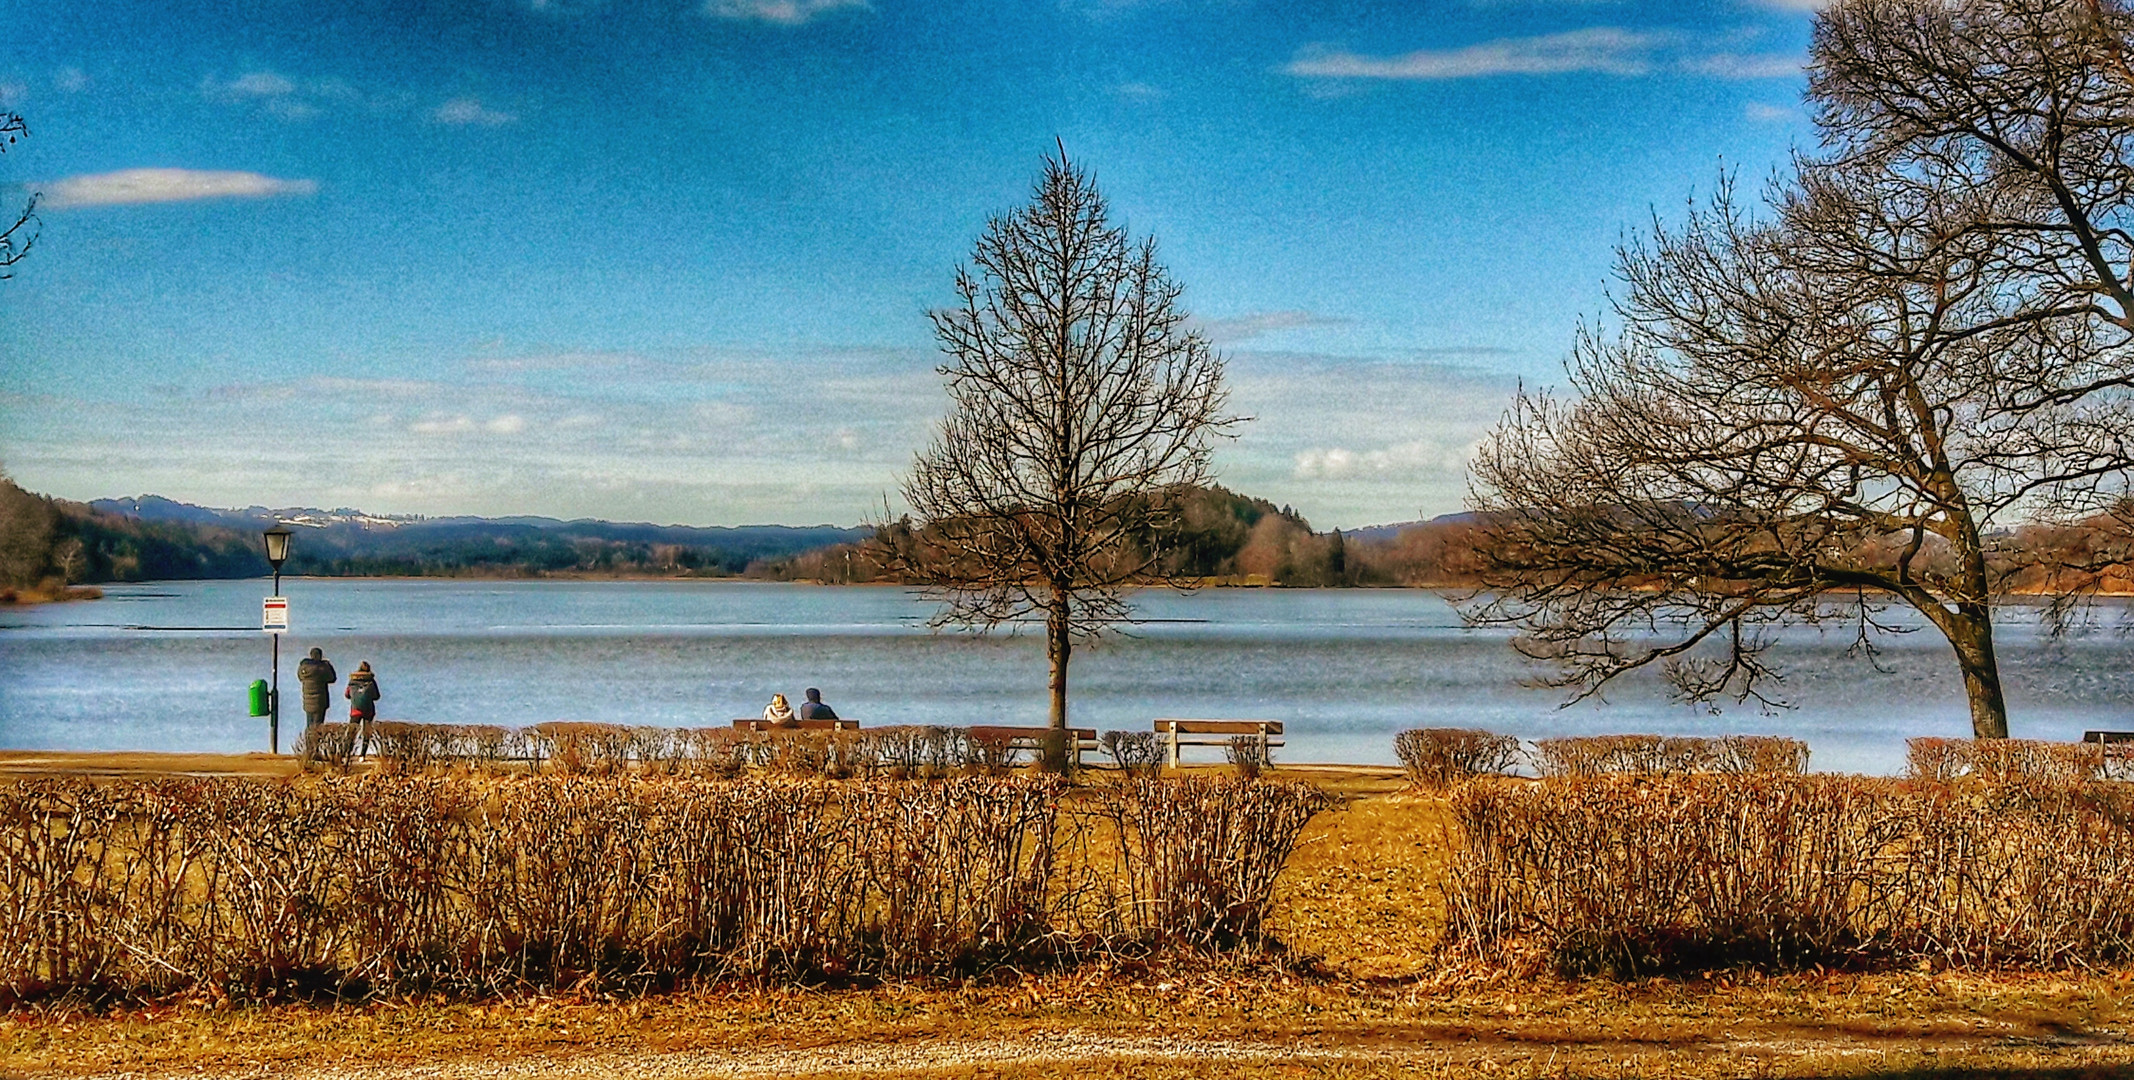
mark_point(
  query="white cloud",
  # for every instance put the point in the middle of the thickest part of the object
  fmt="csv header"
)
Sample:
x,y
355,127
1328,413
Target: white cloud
x,y
1606,49
443,425
275,93
71,80
134,186
12,93
1400,461
1254,324
779,12
507,424
464,111
259,84
1770,114
556,361
1745,66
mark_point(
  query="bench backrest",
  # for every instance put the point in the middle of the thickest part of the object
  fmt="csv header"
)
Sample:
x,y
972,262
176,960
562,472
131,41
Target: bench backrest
x,y
759,724
2108,736
1218,727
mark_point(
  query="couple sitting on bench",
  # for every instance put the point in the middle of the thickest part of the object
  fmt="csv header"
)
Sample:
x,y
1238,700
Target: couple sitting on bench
x,y
780,715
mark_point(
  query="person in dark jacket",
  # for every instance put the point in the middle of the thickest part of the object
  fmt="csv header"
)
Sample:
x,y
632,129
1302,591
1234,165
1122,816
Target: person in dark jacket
x,y
814,709
362,693
316,673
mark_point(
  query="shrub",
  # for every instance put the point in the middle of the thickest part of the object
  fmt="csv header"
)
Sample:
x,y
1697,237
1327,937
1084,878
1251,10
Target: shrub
x,y
1196,859
2002,759
1635,875
1434,758
1248,755
325,746
386,884
580,749
1668,754
1136,753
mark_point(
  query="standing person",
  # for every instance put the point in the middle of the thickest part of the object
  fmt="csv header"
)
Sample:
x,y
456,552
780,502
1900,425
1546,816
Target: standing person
x,y
814,709
362,693
778,713
316,673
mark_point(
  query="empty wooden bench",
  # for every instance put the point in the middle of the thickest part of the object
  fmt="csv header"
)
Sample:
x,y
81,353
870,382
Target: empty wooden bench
x,y
1180,732
2114,744
1033,738
760,724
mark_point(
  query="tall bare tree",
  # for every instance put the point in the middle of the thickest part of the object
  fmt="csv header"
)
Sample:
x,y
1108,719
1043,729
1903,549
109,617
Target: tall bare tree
x,y
1082,408
1929,340
20,234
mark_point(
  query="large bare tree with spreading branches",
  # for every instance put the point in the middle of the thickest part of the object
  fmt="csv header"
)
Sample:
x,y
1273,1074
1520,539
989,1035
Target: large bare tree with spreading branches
x,y
1082,407
1925,340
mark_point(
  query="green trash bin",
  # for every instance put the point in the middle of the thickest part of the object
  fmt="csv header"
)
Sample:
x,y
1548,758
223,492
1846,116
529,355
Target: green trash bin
x,y
259,697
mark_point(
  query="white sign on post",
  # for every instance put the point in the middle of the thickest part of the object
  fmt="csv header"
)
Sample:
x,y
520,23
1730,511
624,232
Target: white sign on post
x,y
274,615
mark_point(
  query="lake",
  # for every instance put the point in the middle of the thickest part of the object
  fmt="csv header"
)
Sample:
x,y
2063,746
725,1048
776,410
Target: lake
x,y
164,667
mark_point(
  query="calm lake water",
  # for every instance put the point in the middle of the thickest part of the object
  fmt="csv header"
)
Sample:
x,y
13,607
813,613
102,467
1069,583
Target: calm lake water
x,y
164,667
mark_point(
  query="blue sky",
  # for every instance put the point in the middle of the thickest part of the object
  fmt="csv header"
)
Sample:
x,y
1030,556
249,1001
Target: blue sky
x,y
670,259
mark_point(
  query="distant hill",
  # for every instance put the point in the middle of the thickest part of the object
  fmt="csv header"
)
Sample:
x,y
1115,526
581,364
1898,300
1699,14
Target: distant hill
x,y
1221,537
350,542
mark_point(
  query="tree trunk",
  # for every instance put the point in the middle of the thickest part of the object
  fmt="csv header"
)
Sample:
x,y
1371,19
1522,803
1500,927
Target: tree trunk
x,y
1971,633
1059,648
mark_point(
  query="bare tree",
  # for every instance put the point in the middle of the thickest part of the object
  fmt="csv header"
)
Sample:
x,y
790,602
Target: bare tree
x,y
1082,409
1930,341
20,234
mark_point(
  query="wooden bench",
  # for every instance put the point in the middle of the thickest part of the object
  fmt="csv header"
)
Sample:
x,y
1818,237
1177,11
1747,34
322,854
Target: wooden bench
x,y
760,724
1033,738
1180,732
2112,743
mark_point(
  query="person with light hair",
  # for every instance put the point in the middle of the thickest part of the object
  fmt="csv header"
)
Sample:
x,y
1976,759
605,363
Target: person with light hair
x,y
779,714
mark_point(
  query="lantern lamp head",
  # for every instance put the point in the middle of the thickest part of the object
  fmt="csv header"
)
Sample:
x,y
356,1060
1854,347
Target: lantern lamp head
x,y
277,547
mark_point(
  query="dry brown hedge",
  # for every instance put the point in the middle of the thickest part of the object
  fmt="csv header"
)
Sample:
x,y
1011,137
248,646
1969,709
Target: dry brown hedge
x,y
587,749
1634,875
2007,759
1436,758
1599,755
389,884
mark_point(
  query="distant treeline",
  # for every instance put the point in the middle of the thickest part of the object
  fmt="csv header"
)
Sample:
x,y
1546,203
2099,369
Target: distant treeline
x,y
47,544
1224,537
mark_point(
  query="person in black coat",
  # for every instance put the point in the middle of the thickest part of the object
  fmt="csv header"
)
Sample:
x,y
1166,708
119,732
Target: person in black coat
x,y
814,709
316,673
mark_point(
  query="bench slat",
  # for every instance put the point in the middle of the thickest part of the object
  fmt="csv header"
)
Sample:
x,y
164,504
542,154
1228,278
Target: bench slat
x,y
1167,725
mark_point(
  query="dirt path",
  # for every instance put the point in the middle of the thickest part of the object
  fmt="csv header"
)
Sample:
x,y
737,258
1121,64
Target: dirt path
x,y
1078,1053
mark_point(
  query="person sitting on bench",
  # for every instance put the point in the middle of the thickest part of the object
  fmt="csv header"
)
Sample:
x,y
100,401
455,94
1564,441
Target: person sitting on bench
x,y
779,714
814,709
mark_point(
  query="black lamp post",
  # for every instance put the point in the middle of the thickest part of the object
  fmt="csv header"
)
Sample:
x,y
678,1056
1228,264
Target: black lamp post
x,y
277,552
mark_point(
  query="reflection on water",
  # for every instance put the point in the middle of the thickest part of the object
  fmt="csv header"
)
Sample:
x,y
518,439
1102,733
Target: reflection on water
x,y
1344,668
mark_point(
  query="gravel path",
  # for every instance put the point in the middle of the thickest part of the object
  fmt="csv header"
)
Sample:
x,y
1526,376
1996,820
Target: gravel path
x,y
1066,1050
856,1059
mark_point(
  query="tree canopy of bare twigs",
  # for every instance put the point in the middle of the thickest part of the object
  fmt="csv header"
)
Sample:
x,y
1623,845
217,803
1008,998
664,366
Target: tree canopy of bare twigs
x,y
1922,343
20,234
1083,408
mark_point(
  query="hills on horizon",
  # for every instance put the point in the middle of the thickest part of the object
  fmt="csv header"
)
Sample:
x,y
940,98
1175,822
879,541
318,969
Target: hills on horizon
x,y
47,544
350,542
